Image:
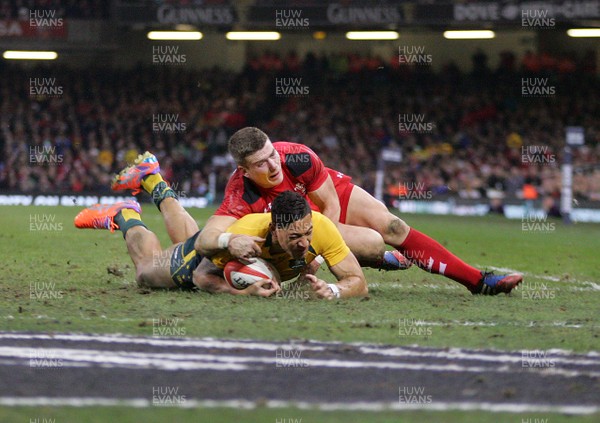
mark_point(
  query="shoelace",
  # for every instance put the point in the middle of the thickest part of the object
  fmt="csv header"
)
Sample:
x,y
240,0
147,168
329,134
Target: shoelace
x,y
105,222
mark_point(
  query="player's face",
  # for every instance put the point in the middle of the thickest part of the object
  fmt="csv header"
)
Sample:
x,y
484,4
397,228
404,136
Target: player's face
x,y
296,238
264,167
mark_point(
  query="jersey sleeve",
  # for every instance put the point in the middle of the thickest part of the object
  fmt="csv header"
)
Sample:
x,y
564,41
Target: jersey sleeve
x,y
304,164
329,242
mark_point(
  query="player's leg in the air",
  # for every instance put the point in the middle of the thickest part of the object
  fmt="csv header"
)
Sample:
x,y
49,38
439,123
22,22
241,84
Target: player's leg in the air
x,y
428,254
152,264
144,174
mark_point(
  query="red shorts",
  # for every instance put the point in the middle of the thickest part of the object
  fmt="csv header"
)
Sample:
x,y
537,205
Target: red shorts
x,y
343,187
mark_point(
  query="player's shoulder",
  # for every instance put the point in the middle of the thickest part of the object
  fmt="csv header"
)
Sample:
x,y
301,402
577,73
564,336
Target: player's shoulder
x,y
322,225
327,240
298,158
239,187
256,224
256,218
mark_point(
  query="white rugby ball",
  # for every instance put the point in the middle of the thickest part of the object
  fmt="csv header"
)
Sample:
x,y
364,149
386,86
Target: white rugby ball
x,y
241,275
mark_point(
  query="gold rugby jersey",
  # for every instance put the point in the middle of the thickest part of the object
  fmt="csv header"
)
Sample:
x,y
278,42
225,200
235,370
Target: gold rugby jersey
x,y
326,241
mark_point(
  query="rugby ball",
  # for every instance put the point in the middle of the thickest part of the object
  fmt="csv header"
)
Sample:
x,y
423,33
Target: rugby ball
x,y
241,275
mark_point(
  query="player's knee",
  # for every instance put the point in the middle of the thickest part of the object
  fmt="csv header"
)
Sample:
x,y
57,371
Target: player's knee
x,y
141,279
199,280
143,276
376,242
396,228
203,281
367,247
365,290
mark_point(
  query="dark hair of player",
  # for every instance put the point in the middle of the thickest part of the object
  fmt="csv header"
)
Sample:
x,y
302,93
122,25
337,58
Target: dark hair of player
x,y
245,142
288,207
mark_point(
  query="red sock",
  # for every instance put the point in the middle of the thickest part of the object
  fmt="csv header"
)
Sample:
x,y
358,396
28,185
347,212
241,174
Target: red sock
x,y
430,255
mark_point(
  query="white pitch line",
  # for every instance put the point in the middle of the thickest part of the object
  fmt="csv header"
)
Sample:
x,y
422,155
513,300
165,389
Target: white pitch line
x,y
459,354
497,355
164,342
302,405
63,357
177,361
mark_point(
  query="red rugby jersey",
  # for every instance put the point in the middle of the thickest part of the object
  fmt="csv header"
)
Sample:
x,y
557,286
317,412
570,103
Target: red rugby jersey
x,y
303,172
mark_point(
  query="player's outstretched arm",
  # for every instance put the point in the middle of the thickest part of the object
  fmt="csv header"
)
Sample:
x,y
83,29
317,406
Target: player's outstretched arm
x,y
351,281
214,239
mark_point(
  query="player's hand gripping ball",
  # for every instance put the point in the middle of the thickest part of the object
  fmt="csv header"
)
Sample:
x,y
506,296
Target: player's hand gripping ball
x,y
241,275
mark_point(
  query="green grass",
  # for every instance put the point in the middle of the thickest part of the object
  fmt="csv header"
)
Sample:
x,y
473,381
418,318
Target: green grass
x,y
68,270
264,415
72,266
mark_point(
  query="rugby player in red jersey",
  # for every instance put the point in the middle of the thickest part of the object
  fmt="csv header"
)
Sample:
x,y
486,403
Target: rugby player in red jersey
x,y
266,169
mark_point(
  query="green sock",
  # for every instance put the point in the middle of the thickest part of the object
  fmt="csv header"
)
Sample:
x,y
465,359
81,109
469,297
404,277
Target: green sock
x,y
162,191
127,219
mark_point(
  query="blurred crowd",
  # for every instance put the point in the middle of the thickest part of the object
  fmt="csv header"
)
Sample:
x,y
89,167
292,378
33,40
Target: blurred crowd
x,y
471,135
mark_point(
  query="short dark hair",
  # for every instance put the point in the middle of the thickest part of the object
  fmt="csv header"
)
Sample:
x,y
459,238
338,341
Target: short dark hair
x,y
288,207
245,142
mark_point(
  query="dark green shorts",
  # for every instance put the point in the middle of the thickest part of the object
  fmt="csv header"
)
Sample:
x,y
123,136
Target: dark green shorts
x,y
184,261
